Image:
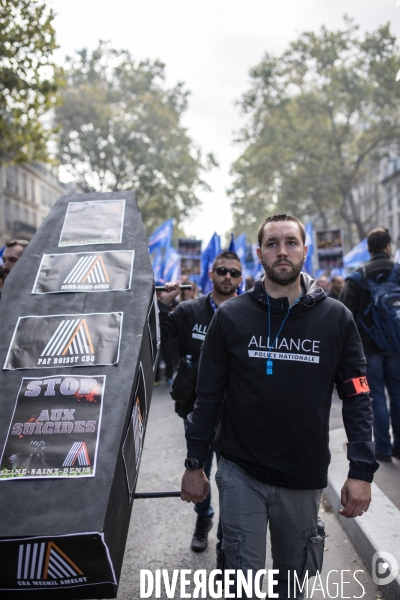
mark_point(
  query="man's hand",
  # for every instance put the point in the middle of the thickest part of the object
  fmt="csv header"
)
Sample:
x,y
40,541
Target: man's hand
x,y
355,497
195,486
172,290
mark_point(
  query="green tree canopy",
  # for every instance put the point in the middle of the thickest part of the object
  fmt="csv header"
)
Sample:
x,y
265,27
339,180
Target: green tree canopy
x,y
120,129
317,116
27,79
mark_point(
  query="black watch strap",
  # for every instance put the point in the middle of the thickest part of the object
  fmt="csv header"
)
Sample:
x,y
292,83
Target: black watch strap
x,y
193,464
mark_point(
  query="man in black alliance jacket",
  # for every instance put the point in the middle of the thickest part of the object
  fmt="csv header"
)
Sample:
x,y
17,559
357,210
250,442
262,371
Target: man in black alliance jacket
x,y
267,368
189,323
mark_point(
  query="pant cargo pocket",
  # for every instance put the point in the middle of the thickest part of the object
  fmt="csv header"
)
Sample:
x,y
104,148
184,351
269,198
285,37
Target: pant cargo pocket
x,y
315,551
231,544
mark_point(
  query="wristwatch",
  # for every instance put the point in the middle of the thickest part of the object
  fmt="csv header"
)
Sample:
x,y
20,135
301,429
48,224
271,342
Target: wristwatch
x,y
192,464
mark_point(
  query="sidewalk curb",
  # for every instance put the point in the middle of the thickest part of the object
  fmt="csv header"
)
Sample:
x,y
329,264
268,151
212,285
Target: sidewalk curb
x,y
377,530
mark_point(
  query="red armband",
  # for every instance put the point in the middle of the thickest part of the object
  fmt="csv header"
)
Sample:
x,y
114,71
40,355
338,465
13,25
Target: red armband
x,y
352,387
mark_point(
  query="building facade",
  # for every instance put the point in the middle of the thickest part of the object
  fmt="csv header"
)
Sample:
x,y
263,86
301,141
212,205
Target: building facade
x,y
27,193
378,196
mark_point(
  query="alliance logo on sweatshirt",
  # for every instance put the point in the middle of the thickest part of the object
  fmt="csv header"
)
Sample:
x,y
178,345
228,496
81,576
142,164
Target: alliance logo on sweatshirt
x,y
300,350
199,332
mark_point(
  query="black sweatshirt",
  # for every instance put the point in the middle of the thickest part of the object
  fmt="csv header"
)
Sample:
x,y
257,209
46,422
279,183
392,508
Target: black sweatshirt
x,y
189,323
276,427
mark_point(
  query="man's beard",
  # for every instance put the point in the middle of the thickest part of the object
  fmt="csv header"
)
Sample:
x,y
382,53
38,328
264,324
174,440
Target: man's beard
x,y
284,277
224,291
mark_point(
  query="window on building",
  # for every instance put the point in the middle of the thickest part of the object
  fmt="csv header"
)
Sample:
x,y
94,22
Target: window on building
x,y
33,197
7,216
25,213
389,200
45,196
24,186
390,223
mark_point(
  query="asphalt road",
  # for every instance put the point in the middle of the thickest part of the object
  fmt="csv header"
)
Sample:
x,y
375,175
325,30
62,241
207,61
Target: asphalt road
x,y
161,529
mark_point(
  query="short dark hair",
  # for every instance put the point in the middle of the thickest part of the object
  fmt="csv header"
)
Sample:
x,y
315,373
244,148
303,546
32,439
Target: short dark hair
x,y
12,243
280,217
228,255
378,239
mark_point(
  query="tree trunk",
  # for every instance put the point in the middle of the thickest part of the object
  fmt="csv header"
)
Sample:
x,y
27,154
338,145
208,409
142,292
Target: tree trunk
x,y
355,215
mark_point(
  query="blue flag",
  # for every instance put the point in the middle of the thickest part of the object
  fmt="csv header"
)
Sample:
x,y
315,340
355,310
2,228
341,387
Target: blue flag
x,y
308,265
172,265
207,258
162,236
158,264
357,256
239,246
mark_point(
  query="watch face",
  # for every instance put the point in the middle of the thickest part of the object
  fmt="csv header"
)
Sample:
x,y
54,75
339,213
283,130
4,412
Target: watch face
x,y
192,464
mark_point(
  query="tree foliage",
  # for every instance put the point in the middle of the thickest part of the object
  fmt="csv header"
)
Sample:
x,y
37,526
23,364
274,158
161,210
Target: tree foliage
x,y
120,129
317,116
28,78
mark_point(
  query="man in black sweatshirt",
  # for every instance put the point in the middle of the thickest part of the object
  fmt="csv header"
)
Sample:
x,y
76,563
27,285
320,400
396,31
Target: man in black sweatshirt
x,y
267,370
189,323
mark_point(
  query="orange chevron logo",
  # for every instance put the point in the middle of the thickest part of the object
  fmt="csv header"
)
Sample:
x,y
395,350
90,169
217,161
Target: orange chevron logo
x,y
54,561
35,561
72,335
89,269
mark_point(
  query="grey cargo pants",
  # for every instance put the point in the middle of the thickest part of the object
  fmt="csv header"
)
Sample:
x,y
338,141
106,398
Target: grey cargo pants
x,y
297,534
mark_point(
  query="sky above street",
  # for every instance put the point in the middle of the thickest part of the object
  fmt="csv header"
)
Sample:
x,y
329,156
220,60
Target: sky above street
x,y
210,45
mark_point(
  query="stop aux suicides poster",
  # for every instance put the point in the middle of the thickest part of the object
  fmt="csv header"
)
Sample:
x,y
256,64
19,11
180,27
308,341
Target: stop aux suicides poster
x,y
55,428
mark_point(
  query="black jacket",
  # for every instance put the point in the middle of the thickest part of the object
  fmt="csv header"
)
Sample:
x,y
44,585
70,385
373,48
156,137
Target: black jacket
x,y
276,427
357,298
189,323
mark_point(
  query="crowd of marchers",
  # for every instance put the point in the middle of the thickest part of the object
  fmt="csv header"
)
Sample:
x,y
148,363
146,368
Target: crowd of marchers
x,y
263,412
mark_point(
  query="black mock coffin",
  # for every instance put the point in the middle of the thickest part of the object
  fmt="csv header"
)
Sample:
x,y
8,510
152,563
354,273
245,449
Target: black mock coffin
x,y
78,348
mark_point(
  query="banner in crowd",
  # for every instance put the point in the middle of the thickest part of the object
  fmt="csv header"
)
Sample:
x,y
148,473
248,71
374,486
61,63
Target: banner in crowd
x,y
75,340
190,252
54,431
85,272
93,222
330,248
